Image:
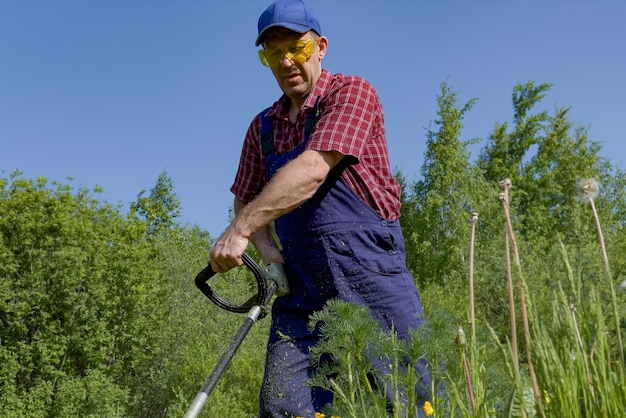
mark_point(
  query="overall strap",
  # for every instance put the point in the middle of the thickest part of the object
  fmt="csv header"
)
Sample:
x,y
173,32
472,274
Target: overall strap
x,y
311,119
267,136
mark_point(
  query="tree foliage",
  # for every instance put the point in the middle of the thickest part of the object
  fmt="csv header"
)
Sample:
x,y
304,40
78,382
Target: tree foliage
x,y
73,273
99,314
160,209
545,155
439,205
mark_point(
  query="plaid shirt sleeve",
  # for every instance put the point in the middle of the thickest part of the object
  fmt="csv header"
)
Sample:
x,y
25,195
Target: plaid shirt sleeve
x,y
249,179
352,123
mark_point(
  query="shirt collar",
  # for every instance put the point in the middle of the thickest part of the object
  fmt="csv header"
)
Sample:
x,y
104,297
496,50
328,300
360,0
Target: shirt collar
x,y
323,83
281,107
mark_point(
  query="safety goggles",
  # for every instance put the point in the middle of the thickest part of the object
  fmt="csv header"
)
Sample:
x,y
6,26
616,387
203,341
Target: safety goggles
x,y
298,52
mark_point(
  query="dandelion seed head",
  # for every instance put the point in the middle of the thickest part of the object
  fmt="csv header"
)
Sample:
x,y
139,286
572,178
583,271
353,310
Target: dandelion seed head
x,y
474,218
502,198
505,184
588,189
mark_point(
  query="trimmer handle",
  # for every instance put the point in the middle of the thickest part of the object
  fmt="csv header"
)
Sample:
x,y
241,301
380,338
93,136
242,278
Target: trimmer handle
x,y
265,286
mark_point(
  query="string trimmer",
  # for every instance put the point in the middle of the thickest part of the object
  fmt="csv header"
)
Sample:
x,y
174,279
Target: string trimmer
x,y
270,280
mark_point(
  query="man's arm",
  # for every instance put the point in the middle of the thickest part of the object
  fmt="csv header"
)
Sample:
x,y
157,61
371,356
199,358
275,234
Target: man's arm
x,y
290,187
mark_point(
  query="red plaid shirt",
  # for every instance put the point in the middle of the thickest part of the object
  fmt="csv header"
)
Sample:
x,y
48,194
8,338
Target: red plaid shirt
x,y
351,122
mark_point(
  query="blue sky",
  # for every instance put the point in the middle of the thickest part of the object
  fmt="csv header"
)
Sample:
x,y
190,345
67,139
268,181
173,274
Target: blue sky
x,y
111,93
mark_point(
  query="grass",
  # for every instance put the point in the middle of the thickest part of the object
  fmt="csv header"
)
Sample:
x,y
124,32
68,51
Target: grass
x,y
569,364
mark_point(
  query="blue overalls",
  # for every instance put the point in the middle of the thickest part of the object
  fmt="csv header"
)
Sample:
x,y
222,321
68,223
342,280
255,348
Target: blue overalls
x,y
335,246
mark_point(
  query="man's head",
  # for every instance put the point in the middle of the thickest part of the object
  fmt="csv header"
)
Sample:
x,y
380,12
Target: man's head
x,y
293,47
290,14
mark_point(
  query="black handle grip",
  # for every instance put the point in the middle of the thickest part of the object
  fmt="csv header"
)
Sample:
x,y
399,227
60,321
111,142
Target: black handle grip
x,y
262,283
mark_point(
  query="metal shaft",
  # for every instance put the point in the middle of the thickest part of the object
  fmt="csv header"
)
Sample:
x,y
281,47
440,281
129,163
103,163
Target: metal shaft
x,y
223,363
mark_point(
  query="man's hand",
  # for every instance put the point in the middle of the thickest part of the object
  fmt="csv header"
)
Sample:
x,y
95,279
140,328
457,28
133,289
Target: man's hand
x,y
227,251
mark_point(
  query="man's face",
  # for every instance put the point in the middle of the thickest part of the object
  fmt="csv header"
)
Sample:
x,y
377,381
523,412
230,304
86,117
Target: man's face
x,y
287,52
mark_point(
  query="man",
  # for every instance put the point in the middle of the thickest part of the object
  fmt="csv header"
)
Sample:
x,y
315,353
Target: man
x,y
315,164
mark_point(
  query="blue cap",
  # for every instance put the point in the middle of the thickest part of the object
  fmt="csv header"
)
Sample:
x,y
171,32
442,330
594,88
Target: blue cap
x,y
290,14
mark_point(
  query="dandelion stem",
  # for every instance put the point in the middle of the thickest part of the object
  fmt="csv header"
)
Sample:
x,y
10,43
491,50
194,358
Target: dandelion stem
x,y
469,383
512,308
605,257
506,184
462,344
503,198
590,190
474,221
607,269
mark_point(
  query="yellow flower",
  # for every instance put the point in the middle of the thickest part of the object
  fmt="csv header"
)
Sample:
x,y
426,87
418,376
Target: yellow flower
x,y
546,396
428,408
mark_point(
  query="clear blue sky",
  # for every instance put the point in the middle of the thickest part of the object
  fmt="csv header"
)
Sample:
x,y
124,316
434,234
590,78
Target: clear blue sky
x,y
113,92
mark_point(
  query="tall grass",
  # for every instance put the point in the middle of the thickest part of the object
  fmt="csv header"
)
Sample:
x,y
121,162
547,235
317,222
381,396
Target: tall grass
x,y
570,364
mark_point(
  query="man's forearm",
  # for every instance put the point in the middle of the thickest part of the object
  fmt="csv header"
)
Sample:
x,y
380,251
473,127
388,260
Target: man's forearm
x,y
290,187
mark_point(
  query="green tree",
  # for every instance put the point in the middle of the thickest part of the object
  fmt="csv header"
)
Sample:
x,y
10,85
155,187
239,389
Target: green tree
x,y
505,153
437,210
96,320
78,302
160,209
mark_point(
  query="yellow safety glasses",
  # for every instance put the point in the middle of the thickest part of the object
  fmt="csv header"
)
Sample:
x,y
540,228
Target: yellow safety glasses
x,y
297,52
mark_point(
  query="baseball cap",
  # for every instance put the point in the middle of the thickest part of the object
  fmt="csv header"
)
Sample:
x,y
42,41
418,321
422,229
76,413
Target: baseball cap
x,y
290,14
